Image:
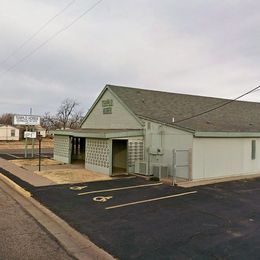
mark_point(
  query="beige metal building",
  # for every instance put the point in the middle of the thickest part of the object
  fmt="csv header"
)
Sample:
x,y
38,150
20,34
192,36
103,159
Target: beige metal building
x,y
9,133
144,131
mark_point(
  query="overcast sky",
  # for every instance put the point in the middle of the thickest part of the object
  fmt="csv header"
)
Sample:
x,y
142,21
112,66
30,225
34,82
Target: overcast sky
x,y
204,47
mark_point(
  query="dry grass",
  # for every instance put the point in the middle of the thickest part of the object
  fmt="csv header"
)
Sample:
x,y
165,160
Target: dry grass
x,y
35,162
63,176
60,173
46,143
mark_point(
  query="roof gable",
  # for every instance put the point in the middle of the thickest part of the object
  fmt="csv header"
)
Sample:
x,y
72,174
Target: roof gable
x,y
118,117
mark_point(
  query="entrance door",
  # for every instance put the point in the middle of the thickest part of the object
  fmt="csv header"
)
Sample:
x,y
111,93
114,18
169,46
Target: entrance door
x,y
119,156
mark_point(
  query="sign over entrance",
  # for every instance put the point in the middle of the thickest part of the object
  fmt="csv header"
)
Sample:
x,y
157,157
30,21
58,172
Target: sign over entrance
x,y
26,120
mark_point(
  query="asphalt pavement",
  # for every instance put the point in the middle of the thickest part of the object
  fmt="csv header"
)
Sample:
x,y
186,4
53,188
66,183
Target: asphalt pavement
x,y
138,220
12,154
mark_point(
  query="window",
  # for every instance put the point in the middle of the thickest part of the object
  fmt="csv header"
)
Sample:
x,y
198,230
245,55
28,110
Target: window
x,y
12,132
253,149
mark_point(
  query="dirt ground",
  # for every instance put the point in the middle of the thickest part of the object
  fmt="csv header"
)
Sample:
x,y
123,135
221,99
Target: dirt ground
x,y
61,173
62,176
46,143
35,162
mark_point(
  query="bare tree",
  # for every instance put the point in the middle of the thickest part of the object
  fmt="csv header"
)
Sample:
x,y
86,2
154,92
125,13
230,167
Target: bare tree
x,y
75,119
68,115
6,119
49,122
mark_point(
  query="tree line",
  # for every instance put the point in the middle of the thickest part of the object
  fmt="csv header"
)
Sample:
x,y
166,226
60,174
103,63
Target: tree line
x,y
68,115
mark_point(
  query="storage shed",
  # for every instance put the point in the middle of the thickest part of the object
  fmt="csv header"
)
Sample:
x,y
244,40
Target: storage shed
x,y
9,133
131,130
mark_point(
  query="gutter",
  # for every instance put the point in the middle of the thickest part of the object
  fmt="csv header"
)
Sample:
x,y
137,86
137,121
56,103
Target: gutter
x,y
227,134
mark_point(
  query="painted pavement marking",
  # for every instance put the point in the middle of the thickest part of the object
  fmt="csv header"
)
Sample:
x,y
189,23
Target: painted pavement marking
x,y
150,200
102,198
78,187
17,157
122,188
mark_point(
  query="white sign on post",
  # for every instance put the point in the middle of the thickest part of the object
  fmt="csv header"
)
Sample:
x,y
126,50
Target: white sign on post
x,y
28,134
26,120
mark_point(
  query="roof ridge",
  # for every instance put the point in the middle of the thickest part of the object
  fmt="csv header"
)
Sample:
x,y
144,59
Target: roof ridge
x,y
182,94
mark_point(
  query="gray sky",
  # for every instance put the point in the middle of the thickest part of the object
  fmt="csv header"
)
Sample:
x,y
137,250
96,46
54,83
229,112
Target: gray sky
x,y
204,47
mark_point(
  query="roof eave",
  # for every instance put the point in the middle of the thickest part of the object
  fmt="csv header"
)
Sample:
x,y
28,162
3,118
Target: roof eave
x,y
200,134
189,130
102,135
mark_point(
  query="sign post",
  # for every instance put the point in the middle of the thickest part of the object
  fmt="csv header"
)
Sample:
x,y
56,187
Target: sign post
x,y
26,145
40,140
33,143
27,121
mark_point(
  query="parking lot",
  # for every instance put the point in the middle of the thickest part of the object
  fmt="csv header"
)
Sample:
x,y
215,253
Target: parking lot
x,y
134,218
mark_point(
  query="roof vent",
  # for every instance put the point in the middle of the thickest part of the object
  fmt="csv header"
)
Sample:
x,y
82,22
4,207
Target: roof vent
x,y
173,119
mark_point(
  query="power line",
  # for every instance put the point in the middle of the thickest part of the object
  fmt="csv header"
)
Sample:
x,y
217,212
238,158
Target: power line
x,y
36,33
217,107
52,37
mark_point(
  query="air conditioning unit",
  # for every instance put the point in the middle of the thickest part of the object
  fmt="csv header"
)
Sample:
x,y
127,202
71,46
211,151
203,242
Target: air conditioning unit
x,y
156,170
141,167
160,171
165,172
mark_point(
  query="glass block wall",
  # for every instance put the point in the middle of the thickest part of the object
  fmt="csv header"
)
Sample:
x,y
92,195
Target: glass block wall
x,y
97,152
135,151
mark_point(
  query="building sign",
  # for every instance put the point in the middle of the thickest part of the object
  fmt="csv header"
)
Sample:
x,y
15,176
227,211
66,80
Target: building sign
x,y
26,120
28,134
107,105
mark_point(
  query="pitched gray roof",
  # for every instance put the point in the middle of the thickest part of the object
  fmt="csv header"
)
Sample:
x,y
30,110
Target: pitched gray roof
x,y
238,116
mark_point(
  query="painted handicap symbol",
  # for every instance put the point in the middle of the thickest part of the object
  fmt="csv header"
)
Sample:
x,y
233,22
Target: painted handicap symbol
x,y
102,198
78,187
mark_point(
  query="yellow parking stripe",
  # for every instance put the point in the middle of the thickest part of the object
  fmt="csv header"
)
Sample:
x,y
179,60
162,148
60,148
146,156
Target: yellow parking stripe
x,y
150,200
122,188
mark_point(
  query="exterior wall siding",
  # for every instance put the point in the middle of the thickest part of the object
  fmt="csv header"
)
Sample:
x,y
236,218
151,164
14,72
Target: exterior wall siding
x,y
166,139
221,157
62,148
120,118
97,155
5,133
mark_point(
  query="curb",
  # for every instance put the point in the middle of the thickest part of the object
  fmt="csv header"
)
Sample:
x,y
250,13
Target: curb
x,y
76,244
190,184
15,186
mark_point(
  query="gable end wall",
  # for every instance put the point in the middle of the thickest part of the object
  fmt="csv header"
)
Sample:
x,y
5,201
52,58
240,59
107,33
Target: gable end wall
x,y
120,118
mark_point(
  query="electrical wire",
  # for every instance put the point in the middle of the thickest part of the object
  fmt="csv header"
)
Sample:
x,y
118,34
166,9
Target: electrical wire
x,y
217,107
52,37
23,44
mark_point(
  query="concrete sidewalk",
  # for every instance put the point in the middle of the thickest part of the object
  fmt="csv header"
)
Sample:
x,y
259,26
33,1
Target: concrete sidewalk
x,y
25,175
